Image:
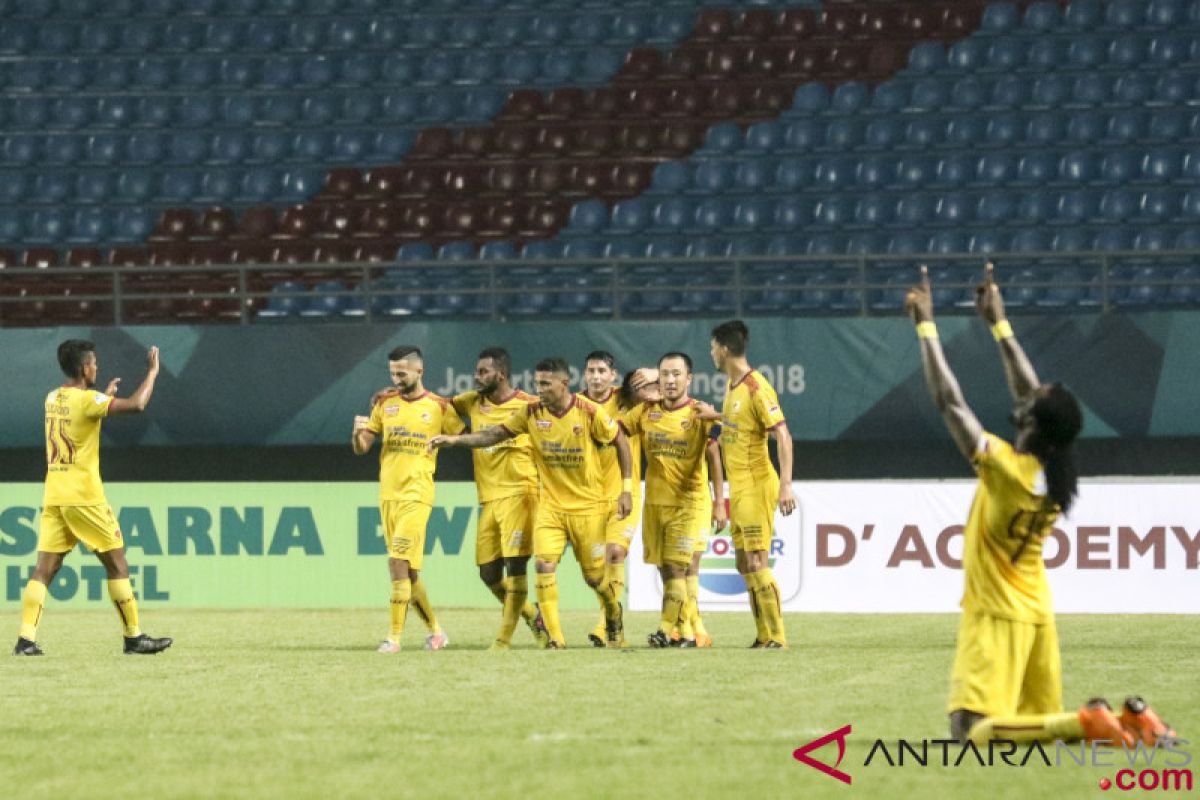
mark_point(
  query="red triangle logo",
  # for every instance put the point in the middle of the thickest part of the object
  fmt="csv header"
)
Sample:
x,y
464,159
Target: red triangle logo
x,y
801,754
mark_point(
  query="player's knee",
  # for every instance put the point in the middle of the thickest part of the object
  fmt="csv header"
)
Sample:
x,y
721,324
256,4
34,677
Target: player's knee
x,y
961,723
492,572
516,567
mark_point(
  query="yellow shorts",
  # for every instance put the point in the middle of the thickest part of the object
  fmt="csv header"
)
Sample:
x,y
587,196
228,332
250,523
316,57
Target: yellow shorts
x,y
585,532
1002,667
65,526
404,525
505,528
668,534
620,531
752,514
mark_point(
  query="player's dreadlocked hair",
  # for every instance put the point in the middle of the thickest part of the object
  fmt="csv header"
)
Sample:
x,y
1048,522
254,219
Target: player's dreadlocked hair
x,y
1059,421
72,354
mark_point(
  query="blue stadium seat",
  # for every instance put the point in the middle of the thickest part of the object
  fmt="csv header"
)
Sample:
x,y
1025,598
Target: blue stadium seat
x,y
953,170
987,241
834,172
763,137
996,207
874,209
967,55
1117,167
967,94
324,301
589,215
1112,239
1036,168
1086,51
929,94
915,171
889,97
1085,127
1077,206
1045,54
883,133
915,210
794,174
1159,204
1152,239
1117,205
669,177
999,17
285,300
876,171
753,175
723,138
625,247
1042,16
1071,240
1083,15
630,215
1005,54
1035,206
797,212
1173,88
712,177
994,169
1168,49
673,214
714,214
849,98
926,57
752,213
803,134
810,98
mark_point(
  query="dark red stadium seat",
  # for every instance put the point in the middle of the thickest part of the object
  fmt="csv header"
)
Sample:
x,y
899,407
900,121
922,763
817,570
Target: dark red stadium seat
x,y
342,183
128,256
565,103
501,219
727,100
523,104
961,19
641,64
723,62
841,22
503,179
685,63
514,142
753,25
643,102
767,59
421,180
85,257
39,258
378,251
882,60
432,143
552,141
638,138
587,178
418,220
630,178
217,223
8,259
769,100
593,139
463,180
543,218
300,222
682,137
883,21
803,61
380,220
603,103
253,253
259,222
795,24
683,101
712,25
458,220
475,142
339,220
174,225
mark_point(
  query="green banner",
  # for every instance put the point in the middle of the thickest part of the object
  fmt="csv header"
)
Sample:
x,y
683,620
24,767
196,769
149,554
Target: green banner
x,y
273,545
838,378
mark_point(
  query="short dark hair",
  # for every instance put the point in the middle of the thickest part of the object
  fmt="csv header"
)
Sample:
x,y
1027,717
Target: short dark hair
x,y
500,359
553,364
72,354
405,351
626,395
602,355
733,335
676,354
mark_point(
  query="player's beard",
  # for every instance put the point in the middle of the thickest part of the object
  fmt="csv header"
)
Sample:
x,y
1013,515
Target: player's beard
x,y
407,389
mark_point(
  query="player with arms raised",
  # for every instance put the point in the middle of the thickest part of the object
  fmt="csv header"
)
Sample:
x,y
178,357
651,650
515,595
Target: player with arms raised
x,y
1006,681
407,422
74,508
567,433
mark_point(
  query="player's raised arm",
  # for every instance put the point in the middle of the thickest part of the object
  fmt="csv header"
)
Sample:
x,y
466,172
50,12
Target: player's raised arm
x,y
1022,379
943,386
485,438
136,403
625,462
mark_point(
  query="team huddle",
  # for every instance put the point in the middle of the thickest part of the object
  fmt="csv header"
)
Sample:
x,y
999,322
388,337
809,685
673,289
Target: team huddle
x,y
565,468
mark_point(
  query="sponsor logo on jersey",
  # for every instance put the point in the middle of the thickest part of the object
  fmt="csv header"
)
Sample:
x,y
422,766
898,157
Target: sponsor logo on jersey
x,y
391,411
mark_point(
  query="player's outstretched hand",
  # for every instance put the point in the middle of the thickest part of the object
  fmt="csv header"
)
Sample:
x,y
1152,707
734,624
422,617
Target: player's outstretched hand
x,y
919,300
383,394
988,302
441,440
787,500
706,412
113,385
152,360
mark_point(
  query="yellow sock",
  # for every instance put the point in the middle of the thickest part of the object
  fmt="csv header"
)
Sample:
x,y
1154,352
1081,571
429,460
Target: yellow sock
x,y
770,606
546,586
760,625
516,590
674,598
33,600
614,576
1028,728
420,602
121,593
402,593
528,612
693,606
498,590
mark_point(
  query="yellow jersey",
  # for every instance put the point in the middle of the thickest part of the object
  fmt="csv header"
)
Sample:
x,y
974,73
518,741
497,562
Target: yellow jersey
x,y
674,440
751,410
505,469
567,449
610,466
1010,518
406,466
73,446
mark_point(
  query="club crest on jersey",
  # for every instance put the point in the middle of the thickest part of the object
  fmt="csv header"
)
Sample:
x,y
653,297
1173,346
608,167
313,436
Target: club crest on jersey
x,y
685,424
426,416
543,424
655,416
577,430
391,411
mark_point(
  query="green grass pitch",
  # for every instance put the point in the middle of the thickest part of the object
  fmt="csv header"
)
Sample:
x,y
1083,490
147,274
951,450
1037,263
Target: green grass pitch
x,y
296,704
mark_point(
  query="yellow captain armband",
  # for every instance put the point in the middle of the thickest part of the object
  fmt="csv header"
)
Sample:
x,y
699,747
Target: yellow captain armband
x,y
926,330
1002,330
627,485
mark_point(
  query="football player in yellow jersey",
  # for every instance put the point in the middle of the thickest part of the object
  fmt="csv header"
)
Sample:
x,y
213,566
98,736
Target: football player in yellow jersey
x,y
407,422
1006,682
749,414
74,508
599,375
507,482
675,438
567,432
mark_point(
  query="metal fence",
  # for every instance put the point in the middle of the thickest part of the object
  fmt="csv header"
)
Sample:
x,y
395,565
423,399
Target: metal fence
x,y
859,285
